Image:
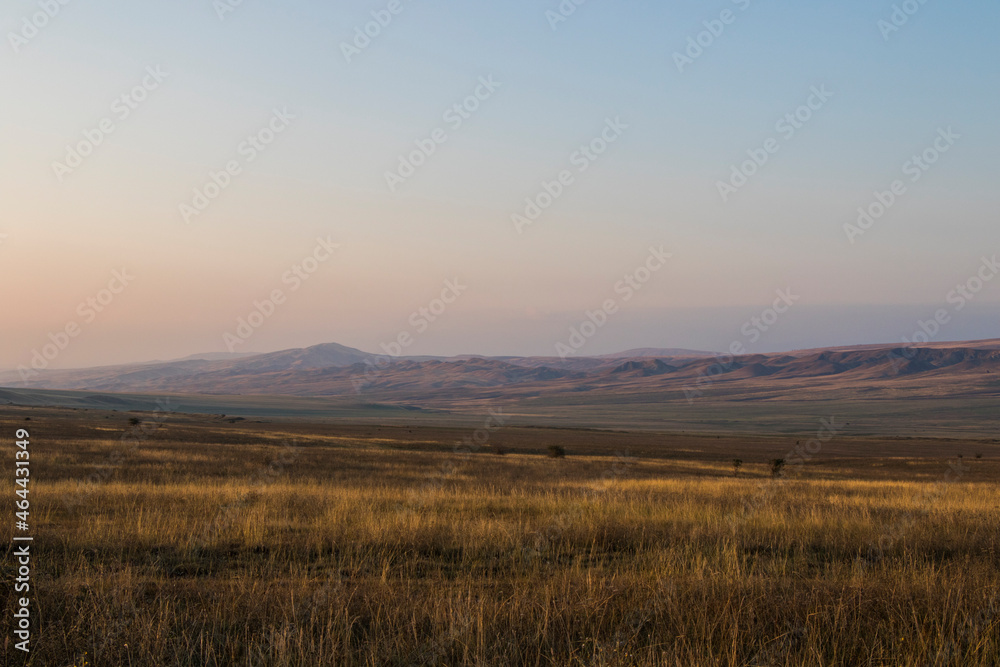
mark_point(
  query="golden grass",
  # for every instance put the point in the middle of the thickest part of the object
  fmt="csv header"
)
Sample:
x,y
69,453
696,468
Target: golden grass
x,y
235,549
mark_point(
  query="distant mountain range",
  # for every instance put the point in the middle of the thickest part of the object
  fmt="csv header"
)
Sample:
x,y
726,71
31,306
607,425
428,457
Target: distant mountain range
x,y
646,374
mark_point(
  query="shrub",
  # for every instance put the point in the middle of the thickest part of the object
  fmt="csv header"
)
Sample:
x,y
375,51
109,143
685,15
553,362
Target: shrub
x,y
736,466
777,465
556,452
134,421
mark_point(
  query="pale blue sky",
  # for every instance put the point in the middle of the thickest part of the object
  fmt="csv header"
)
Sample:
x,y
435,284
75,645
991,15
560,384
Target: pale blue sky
x,y
655,185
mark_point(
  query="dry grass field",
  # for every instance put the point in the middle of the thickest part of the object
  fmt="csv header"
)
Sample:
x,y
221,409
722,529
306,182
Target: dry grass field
x,y
197,540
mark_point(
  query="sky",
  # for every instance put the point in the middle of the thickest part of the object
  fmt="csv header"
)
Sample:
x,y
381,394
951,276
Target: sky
x,y
435,177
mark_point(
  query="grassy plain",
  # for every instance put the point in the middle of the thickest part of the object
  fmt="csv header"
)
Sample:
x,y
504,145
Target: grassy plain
x,y
964,415
203,540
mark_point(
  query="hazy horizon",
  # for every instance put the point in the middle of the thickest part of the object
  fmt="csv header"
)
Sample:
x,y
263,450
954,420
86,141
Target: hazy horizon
x,y
788,337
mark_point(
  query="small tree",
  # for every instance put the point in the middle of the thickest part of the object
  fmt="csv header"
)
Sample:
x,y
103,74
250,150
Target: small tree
x,y
134,421
777,465
556,452
736,467
979,455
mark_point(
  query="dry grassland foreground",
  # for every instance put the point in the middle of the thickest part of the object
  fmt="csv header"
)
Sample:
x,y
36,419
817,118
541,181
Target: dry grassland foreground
x,y
173,539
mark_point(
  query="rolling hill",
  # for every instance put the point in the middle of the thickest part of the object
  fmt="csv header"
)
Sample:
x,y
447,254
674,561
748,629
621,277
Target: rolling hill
x,y
953,369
